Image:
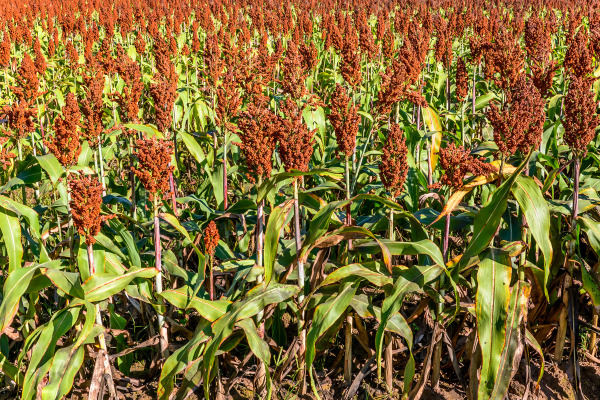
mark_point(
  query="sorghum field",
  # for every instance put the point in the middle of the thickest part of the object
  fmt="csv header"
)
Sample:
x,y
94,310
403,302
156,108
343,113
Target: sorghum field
x,y
331,199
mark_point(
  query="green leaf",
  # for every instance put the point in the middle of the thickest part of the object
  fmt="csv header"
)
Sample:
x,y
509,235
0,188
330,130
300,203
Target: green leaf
x,y
412,279
171,219
184,298
43,351
483,100
52,167
366,270
500,312
103,285
488,219
491,308
256,300
327,313
132,250
592,230
275,225
259,347
10,370
432,121
271,183
513,339
68,282
147,129
65,365
425,247
534,206
591,283
11,236
14,287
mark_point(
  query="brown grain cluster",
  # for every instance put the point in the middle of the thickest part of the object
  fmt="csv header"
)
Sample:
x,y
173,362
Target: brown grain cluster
x,y
92,108
20,119
86,203
580,120
258,131
65,143
211,238
154,156
293,72
462,80
164,88
5,155
504,58
229,101
457,163
5,51
578,58
401,79
40,60
393,167
129,98
519,124
345,120
27,81
295,139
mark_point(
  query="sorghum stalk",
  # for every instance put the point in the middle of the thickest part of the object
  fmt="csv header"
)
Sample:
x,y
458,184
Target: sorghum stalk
x,y
164,343
101,338
132,182
301,279
101,161
349,321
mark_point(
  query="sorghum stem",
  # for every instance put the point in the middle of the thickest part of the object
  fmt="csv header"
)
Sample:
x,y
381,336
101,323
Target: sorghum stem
x,y
301,279
157,264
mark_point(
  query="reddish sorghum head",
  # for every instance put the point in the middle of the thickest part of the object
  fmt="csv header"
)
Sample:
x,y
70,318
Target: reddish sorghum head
x,y
65,143
520,122
345,120
295,139
393,167
154,156
580,120
86,203
211,238
258,130
457,163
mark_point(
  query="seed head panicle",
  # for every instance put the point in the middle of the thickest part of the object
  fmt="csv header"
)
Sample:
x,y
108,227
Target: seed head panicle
x,y
40,60
504,58
211,238
86,203
393,167
27,80
462,80
229,101
129,98
164,94
519,125
258,130
295,139
140,44
578,58
6,156
345,120
457,163
293,73
5,51
92,108
580,120
154,156
65,143
350,67
20,119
